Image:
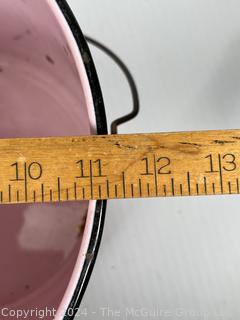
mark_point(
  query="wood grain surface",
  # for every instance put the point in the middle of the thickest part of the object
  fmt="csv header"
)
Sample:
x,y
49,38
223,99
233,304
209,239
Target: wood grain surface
x,y
119,166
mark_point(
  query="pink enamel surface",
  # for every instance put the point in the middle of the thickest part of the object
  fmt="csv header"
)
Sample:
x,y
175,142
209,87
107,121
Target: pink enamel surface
x,y
43,92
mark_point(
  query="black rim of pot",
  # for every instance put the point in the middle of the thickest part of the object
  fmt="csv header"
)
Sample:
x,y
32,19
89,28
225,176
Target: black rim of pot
x,y
101,124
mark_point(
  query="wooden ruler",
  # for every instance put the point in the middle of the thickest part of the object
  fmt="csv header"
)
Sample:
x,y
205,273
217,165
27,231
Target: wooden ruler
x,y
119,166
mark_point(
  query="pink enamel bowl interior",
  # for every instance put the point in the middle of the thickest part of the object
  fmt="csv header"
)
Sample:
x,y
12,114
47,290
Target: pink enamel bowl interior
x,y
44,91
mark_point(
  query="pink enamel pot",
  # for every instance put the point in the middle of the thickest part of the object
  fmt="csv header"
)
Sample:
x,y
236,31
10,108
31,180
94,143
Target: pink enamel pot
x,y
48,87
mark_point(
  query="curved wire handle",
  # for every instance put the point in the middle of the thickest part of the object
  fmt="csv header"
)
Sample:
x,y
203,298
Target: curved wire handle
x,y
131,82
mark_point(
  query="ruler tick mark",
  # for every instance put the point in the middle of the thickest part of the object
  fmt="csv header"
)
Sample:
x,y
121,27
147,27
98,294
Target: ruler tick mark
x,y
108,192
9,193
17,195
59,188
205,184
140,187
172,184
155,175
164,190
124,186
189,183
220,172
34,196
42,191
25,181
83,193
132,190
237,182
197,188
213,187
67,194
148,189
100,191
50,195
181,191
116,191
229,187
75,190
91,178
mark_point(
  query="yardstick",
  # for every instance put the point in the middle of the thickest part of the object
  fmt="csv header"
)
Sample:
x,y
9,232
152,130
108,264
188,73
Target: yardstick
x,y
119,166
